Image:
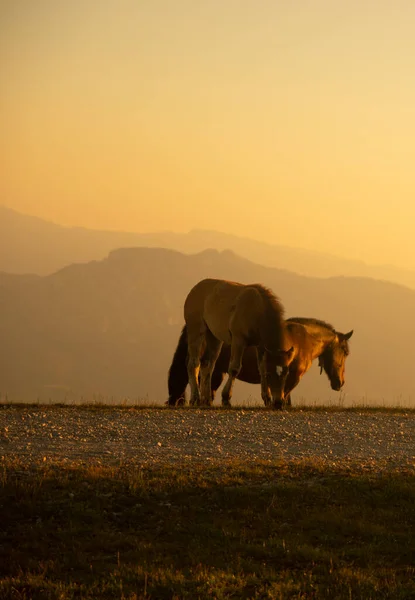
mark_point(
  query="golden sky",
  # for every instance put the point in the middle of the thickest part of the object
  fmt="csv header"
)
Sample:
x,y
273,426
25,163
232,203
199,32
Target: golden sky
x,y
288,121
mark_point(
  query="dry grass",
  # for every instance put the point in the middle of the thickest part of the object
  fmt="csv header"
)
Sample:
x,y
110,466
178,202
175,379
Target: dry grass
x,y
228,531
145,405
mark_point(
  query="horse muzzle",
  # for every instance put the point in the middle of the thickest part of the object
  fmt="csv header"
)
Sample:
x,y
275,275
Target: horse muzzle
x,y
278,405
337,385
278,401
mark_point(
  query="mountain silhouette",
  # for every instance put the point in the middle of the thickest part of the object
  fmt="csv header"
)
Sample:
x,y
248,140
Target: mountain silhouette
x,y
31,245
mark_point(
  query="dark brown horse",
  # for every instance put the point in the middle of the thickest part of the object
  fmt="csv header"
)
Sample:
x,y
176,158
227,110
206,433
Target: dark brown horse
x,y
217,312
310,338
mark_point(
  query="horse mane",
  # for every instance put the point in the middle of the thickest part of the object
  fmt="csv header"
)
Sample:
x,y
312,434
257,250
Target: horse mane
x,y
312,321
272,325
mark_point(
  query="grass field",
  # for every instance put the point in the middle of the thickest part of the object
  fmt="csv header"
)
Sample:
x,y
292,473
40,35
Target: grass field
x,y
230,531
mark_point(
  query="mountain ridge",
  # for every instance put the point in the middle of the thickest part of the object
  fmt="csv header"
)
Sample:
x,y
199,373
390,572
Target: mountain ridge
x,y
35,246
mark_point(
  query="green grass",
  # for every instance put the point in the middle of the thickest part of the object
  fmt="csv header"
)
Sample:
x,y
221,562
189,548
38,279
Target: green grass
x,y
227,531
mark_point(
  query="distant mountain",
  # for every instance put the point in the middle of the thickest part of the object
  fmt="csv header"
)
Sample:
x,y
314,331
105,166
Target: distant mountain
x,y
109,328
31,245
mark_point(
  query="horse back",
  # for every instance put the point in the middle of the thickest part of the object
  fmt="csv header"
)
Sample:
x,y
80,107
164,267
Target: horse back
x,y
212,302
229,309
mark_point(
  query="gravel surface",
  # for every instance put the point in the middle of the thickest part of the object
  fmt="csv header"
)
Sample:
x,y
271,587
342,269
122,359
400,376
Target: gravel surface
x,y
114,436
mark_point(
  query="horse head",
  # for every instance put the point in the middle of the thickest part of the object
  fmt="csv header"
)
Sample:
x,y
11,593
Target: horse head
x,y
333,359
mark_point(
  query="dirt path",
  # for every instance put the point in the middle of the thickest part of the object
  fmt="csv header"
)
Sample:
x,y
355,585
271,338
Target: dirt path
x,y
110,436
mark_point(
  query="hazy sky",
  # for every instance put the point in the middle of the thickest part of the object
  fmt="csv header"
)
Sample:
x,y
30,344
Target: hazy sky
x,y
288,121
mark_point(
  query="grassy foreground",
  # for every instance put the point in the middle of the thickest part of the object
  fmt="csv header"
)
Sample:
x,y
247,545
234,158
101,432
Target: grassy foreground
x,y
266,531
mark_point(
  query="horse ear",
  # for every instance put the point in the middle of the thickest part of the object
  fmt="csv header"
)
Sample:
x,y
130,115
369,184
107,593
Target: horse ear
x,y
290,353
347,336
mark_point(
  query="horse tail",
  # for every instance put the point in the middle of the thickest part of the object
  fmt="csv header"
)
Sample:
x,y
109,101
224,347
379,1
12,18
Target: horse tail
x,y
178,377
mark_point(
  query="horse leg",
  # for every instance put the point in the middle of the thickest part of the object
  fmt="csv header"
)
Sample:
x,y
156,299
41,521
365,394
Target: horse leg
x,y
181,401
217,378
213,348
293,379
262,368
220,369
235,364
195,339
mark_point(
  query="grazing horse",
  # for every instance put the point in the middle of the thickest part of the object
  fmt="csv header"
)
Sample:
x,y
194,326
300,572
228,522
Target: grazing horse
x,y
217,312
332,349
310,338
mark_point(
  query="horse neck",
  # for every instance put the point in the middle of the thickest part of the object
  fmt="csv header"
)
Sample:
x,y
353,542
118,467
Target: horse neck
x,y
320,337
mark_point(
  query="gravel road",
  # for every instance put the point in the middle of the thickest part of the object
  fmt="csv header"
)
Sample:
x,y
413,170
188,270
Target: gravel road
x,y
114,436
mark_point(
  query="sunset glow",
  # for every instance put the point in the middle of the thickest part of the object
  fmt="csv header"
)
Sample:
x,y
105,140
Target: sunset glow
x,y
288,122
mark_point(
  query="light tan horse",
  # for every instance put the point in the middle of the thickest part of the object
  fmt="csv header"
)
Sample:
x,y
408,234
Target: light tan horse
x,y
218,311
